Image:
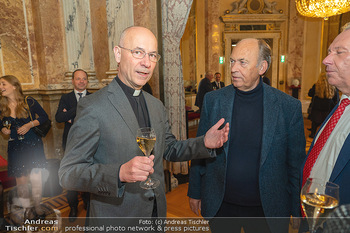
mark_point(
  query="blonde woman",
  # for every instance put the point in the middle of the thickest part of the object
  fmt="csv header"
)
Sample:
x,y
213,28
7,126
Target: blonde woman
x,y
324,98
25,149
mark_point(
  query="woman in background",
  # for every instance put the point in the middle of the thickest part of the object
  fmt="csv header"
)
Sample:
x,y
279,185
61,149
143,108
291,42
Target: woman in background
x,y
26,156
324,98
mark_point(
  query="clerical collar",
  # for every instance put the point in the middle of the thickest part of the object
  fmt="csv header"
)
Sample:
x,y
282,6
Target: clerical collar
x,y
128,90
136,93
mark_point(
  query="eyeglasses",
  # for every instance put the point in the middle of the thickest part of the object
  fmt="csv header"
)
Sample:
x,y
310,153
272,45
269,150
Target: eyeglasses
x,y
139,54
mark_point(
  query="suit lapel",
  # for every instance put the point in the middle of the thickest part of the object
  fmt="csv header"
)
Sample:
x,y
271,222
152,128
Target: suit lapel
x,y
226,109
343,159
73,99
270,117
121,103
344,155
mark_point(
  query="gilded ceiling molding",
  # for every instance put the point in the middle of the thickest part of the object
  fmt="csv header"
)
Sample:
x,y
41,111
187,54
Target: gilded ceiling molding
x,y
254,7
253,15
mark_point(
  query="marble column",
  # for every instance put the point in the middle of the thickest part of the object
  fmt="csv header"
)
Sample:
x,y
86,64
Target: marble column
x,y
214,33
174,17
79,39
146,15
119,17
17,50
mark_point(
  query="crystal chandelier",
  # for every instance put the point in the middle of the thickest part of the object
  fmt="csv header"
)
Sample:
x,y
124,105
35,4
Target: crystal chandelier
x,y
322,8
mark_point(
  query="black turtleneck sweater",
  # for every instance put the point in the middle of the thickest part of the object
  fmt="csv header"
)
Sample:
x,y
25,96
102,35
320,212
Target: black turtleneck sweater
x,y
243,160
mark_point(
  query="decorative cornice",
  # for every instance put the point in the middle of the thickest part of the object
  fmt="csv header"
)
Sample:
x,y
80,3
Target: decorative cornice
x,y
253,7
258,22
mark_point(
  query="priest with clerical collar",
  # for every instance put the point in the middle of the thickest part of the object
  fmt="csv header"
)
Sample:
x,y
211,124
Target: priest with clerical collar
x,y
102,155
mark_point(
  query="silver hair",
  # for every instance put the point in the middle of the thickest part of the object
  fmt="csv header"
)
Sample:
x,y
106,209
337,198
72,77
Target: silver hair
x,y
264,53
208,73
346,27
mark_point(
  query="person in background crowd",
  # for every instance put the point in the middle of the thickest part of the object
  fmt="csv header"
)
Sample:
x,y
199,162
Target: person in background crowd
x,y
66,112
204,87
324,98
26,158
217,84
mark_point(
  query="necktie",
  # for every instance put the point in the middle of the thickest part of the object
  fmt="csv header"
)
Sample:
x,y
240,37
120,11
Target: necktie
x,y
316,149
80,96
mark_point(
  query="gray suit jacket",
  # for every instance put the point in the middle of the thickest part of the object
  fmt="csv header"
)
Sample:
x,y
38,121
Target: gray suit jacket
x,y
103,137
282,153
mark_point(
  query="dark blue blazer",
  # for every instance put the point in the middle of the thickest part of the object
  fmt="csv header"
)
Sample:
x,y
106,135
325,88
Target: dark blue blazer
x,y
282,153
341,171
69,102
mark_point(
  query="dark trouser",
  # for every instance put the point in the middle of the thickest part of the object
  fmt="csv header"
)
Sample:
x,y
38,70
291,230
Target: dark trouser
x,y
231,218
72,198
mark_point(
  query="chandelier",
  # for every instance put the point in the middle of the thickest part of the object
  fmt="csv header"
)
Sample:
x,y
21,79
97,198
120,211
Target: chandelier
x,y
322,8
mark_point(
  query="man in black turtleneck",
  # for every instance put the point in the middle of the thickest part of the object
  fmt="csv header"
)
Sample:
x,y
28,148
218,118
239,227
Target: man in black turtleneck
x,y
256,173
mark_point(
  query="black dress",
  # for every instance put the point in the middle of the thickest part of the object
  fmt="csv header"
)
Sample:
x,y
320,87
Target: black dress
x,y
321,107
27,153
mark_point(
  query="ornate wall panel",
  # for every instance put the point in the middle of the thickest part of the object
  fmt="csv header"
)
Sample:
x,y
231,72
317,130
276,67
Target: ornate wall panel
x,y
17,50
255,19
119,17
174,17
77,21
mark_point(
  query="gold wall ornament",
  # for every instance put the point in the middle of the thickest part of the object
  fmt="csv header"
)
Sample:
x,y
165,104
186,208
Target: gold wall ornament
x,y
322,8
253,7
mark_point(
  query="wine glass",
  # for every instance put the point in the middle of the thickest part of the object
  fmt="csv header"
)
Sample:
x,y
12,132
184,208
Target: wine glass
x,y
7,124
319,199
19,136
146,139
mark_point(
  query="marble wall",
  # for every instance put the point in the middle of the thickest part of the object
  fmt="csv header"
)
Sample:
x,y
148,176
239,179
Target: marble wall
x,y
18,50
147,14
42,42
295,45
294,31
213,30
188,51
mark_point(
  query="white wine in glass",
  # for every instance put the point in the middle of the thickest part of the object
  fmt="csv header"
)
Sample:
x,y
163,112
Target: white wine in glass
x,y
319,199
146,139
7,124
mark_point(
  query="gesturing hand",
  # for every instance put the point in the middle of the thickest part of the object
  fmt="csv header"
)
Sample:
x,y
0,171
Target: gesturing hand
x,y
136,169
215,137
195,205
